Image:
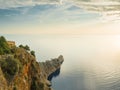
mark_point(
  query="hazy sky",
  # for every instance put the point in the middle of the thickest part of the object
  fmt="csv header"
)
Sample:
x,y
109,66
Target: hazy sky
x,y
59,17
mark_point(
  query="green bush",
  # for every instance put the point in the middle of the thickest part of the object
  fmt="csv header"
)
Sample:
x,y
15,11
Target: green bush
x,y
21,46
36,85
4,48
10,67
26,47
33,53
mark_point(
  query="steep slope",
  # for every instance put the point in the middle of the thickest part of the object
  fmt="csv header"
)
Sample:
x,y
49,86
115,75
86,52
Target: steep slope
x,y
21,71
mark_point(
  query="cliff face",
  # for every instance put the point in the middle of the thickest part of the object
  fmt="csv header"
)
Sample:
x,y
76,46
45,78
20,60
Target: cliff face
x,y
21,71
3,82
51,66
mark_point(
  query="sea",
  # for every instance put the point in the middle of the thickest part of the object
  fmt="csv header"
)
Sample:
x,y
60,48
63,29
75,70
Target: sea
x,y
91,62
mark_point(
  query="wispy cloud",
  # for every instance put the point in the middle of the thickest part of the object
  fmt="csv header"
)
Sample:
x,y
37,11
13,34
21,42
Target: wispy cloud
x,y
21,3
40,16
47,13
109,9
91,5
50,13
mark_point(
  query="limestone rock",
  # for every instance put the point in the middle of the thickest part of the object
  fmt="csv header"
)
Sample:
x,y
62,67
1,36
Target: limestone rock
x,y
31,75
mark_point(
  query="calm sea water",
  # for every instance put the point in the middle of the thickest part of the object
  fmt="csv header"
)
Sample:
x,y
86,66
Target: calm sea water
x,y
91,62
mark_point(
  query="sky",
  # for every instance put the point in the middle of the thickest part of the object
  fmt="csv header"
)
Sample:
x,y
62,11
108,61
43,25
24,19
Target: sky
x,y
59,17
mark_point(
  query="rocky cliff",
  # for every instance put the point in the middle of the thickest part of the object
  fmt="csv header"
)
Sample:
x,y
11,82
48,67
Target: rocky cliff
x,y
21,71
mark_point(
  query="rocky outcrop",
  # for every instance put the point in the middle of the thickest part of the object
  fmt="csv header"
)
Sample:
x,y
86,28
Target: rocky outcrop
x,y
51,66
27,74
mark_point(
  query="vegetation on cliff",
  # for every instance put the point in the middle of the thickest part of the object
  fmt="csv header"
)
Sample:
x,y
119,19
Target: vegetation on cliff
x,y
19,69
10,66
4,48
26,47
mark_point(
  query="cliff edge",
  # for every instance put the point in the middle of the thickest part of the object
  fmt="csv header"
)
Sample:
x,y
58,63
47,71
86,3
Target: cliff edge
x,y
19,70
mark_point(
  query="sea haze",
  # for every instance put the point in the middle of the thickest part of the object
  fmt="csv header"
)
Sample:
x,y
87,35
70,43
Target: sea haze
x,y
92,62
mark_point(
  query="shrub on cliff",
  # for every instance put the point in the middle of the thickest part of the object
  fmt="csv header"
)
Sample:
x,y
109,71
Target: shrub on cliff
x,y
36,85
10,67
4,48
26,47
32,53
21,46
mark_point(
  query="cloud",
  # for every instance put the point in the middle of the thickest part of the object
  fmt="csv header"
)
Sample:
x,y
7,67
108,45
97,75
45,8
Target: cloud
x,y
109,9
97,5
91,5
20,3
46,14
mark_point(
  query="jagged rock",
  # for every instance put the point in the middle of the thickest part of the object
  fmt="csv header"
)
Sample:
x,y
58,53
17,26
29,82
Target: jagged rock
x,y
51,66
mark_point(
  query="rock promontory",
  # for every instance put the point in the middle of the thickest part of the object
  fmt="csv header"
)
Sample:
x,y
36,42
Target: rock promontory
x,y
19,69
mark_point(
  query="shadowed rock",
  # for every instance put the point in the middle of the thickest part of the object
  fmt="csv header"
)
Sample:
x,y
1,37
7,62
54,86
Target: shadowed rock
x,y
50,66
